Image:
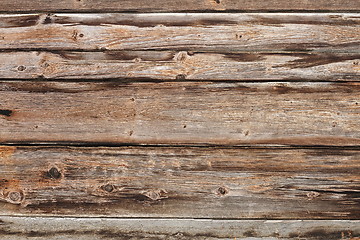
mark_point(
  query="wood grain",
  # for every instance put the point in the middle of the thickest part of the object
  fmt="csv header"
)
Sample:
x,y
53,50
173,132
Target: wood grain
x,y
171,65
174,5
221,32
180,113
193,182
39,228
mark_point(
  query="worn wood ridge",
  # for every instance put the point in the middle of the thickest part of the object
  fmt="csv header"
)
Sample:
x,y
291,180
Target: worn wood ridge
x,y
180,113
19,228
174,5
220,32
192,182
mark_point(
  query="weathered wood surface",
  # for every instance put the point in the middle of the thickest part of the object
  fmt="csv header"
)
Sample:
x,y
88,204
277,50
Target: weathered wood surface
x,y
193,182
180,113
175,229
171,65
222,32
174,5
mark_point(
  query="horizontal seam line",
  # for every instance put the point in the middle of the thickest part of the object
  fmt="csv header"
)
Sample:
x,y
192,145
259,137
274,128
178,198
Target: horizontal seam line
x,y
253,146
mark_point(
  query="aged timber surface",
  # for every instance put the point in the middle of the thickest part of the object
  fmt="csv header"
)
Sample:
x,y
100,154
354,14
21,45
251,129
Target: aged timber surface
x,y
174,5
180,112
220,32
182,65
195,182
19,228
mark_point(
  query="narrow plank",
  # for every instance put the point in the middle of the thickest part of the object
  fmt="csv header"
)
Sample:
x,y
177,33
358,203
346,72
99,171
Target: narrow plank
x,y
180,112
170,229
174,5
171,65
188,182
222,32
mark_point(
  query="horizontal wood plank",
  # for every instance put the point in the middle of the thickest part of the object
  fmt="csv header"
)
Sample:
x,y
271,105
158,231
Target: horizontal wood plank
x,y
171,65
174,5
19,228
180,113
221,32
192,182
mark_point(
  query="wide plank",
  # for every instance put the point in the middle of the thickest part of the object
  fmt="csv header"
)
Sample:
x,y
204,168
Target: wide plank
x,y
39,228
118,112
220,32
193,182
181,65
174,5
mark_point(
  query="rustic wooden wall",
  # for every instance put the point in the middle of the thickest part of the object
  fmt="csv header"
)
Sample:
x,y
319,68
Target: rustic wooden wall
x,y
214,119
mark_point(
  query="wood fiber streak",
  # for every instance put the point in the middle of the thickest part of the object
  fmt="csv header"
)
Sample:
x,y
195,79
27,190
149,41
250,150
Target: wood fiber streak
x,y
19,228
175,182
221,32
182,65
174,5
180,113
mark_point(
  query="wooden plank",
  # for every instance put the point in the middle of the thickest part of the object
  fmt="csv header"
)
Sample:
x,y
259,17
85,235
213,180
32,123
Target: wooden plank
x,y
171,65
170,229
222,32
190,182
180,113
174,5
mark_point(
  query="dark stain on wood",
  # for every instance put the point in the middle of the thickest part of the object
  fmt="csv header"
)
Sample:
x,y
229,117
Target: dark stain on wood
x,y
312,60
21,21
322,234
245,57
144,23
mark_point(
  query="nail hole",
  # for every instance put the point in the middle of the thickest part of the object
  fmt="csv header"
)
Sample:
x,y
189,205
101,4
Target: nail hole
x,y
184,126
6,113
81,35
217,1
54,173
21,68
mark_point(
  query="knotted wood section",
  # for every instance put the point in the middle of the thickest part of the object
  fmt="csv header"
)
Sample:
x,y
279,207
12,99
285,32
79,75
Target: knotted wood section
x,y
191,182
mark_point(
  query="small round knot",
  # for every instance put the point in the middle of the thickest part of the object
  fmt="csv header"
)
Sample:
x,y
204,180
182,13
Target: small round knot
x,y
181,77
222,191
15,197
108,188
54,173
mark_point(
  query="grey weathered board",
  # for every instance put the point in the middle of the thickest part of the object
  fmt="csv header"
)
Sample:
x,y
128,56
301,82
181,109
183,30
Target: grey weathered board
x,y
174,5
191,182
180,120
18,228
181,112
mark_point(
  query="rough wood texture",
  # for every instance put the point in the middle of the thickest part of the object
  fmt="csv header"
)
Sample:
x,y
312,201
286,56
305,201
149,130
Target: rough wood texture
x,y
19,228
170,65
226,33
180,113
175,5
268,183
